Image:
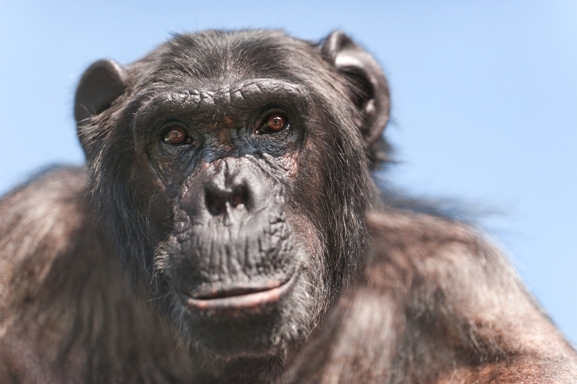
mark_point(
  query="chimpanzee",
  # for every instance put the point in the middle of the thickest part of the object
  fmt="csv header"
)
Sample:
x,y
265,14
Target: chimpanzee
x,y
227,229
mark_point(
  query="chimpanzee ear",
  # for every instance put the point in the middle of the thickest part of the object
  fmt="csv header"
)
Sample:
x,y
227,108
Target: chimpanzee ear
x,y
100,85
368,84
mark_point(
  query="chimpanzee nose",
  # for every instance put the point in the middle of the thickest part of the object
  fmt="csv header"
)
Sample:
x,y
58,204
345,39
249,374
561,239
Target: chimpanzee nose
x,y
221,198
232,189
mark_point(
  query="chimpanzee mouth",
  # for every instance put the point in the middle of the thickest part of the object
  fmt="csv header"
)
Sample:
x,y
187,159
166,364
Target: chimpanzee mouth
x,y
238,297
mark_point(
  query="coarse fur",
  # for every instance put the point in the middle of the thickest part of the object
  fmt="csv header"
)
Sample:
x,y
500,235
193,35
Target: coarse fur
x,y
134,268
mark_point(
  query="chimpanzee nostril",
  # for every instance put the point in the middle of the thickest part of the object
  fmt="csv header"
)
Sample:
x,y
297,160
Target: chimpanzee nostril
x,y
215,203
238,196
219,200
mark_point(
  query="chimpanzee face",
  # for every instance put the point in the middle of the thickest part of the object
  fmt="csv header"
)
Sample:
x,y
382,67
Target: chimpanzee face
x,y
232,170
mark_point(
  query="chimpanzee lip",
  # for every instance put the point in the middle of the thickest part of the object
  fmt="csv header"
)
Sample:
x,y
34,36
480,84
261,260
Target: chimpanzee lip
x,y
239,297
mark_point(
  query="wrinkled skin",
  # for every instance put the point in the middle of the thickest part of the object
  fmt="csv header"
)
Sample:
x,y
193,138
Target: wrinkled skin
x,y
226,208
227,228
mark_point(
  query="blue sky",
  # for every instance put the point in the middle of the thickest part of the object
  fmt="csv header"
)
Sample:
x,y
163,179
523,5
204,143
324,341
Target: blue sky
x,y
484,97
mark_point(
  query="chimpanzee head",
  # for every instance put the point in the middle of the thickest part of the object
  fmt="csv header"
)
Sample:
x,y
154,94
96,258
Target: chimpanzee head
x,y
232,172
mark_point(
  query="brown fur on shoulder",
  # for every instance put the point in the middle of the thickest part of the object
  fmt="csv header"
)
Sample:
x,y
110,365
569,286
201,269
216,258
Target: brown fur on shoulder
x,y
437,304
69,313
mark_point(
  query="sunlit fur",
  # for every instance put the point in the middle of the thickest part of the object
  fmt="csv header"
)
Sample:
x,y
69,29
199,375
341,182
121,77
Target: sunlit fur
x,y
90,265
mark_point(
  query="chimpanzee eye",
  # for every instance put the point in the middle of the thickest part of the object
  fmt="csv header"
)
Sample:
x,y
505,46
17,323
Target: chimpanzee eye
x,y
273,123
176,135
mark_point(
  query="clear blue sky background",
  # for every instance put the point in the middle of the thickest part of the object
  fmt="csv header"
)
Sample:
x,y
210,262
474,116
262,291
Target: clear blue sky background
x,y
484,97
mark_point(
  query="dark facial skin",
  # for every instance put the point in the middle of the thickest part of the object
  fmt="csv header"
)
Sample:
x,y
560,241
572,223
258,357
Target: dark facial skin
x,y
231,164
232,256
